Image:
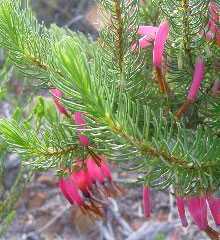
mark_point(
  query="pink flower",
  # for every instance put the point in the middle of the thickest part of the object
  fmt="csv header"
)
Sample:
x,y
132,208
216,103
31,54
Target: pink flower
x,y
214,205
105,168
70,191
82,180
197,79
209,36
94,171
57,94
146,201
148,33
181,210
101,176
79,120
159,43
90,180
213,32
198,209
214,11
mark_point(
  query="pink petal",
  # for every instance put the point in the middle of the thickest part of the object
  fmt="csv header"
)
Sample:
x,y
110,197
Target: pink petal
x,y
197,79
214,205
79,120
84,140
148,33
94,171
209,36
145,42
146,201
181,211
56,93
70,191
214,10
212,26
148,30
159,43
60,107
198,210
82,180
106,169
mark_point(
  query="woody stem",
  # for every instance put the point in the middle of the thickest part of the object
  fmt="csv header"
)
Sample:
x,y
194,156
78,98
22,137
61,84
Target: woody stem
x,y
213,234
183,109
164,88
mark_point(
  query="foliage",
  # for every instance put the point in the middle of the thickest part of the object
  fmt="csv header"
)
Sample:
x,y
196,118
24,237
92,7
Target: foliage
x,y
128,118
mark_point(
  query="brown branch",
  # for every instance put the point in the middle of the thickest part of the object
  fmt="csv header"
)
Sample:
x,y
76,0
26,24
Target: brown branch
x,y
52,152
213,234
186,27
38,63
164,87
146,149
119,40
183,109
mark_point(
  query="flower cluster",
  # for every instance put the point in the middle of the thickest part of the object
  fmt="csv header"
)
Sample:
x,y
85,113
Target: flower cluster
x,y
89,184
90,181
213,33
197,207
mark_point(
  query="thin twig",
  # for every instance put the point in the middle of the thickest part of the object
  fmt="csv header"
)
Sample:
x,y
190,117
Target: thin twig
x,y
51,222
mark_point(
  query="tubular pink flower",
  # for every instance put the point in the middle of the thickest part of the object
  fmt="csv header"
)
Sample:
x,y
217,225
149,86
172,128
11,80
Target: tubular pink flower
x,y
159,43
209,36
198,209
82,180
214,10
197,79
181,211
70,191
214,205
105,169
212,26
144,42
148,33
146,201
94,171
57,94
79,120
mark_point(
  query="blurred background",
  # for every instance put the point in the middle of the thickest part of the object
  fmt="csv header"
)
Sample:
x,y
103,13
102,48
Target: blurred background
x,y
41,211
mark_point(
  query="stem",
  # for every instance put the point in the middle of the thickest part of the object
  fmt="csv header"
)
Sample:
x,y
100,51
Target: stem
x,y
186,32
213,234
37,62
119,30
149,150
164,88
52,152
183,109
